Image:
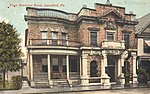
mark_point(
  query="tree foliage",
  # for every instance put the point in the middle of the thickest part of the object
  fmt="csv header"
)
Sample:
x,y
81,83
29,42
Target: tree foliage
x,y
10,51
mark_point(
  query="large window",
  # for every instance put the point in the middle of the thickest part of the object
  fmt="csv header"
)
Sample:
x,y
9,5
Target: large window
x,y
55,66
93,38
64,39
110,36
54,38
127,40
64,64
44,37
44,63
73,65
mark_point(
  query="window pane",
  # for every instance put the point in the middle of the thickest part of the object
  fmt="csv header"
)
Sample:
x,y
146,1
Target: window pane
x,y
64,37
55,68
64,64
55,64
110,36
44,34
73,65
44,63
93,38
44,37
127,40
55,61
44,68
55,35
54,38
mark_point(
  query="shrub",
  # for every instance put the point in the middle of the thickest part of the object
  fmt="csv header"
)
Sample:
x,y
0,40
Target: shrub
x,y
16,81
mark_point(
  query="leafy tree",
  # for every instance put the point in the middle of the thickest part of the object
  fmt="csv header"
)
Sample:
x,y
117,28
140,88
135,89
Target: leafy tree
x,y
10,52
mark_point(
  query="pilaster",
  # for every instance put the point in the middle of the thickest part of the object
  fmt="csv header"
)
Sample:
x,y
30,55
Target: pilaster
x,y
135,81
105,79
84,77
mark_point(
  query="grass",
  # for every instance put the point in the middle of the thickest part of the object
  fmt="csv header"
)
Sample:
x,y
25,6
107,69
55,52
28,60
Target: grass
x,y
8,86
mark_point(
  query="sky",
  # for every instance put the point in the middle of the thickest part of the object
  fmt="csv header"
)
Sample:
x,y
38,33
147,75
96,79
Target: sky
x,y
14,10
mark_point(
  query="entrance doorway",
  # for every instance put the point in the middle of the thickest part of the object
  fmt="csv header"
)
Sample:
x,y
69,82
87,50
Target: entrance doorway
x,y
93,69
110,70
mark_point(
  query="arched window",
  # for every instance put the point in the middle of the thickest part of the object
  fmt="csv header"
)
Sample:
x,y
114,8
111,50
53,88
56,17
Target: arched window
x,y
93,69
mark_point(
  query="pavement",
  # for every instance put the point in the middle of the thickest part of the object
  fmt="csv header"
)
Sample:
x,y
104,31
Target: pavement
x,y
64,90
122,91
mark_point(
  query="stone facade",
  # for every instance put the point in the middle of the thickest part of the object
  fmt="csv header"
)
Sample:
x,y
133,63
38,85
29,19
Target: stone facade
x,y
102,39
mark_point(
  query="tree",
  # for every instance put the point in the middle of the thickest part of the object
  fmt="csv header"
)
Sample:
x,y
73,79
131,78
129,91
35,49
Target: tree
x,y
10,52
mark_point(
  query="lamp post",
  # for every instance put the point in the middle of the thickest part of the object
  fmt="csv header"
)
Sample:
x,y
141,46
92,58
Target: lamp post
x,y
127,74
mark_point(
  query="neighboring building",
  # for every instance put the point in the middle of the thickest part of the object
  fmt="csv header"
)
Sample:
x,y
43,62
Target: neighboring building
x,y
143,36
86,48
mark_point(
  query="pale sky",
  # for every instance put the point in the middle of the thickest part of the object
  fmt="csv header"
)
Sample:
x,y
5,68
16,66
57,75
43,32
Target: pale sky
x,y
16,14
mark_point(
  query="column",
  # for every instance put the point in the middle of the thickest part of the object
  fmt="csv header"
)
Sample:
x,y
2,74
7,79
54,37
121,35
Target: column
x,y
84,77
102,67
119,67
32,84
67,59
122,61
49,68
31,67
49,71
68,77
134,70
80,66
105,79
121,78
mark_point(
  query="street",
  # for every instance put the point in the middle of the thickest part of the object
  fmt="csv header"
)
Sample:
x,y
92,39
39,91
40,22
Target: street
x,y
77,91
124,91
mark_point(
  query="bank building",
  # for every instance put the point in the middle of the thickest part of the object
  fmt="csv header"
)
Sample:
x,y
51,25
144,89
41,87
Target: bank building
x,y
92,47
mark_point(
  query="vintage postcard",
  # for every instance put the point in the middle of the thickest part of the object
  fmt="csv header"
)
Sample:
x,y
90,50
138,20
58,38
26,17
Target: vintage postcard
x,y
80,46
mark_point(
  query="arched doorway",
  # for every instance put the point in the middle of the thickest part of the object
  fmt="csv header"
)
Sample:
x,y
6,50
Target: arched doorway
x,y
110,70
93,69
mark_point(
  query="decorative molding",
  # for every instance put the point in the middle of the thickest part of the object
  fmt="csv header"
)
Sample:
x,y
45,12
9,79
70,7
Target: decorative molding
x,y
93,29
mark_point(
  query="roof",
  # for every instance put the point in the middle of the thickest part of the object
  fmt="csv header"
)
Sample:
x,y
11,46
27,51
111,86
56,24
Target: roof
x,y
143,23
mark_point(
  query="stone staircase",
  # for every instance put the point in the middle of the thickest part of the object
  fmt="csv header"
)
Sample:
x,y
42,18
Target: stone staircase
x,y
61,83
65,83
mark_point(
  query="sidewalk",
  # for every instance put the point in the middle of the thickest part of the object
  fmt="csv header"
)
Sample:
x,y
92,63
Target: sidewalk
x,y
56,90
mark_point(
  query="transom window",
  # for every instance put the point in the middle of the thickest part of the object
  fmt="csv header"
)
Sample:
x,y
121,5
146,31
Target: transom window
x,y
93,36
110,36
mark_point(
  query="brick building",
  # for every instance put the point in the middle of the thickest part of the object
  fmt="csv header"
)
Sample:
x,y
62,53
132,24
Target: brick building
x,y
85,48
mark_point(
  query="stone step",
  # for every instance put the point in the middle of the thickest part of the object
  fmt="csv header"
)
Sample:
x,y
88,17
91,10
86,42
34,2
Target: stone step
x,y
61,83
25,85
